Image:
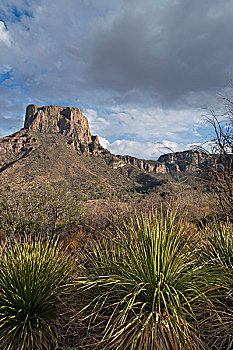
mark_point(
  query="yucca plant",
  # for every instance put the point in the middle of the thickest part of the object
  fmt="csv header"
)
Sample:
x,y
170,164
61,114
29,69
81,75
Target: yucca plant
x,y
142,285
220,245
35,288
218,255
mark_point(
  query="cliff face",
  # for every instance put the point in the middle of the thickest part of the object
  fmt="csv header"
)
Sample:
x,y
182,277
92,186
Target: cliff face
x,y
186,161
18,144
68,121
139,163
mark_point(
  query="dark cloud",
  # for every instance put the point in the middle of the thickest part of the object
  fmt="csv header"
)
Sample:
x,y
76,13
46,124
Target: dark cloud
x,y
184,46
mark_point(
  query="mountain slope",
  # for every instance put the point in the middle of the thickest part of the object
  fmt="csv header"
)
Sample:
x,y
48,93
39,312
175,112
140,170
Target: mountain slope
x,y
46,158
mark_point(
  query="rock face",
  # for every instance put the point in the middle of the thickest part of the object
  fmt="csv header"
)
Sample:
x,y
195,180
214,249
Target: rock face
x,y
68,121
18,142
186,161
16,146
139,163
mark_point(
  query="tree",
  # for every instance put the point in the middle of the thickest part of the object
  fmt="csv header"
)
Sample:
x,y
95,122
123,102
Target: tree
x,y
219,169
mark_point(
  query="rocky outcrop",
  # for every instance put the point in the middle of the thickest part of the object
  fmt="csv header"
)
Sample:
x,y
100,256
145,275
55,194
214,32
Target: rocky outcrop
x,y
16,145
142,164
68,121
186,161
18,142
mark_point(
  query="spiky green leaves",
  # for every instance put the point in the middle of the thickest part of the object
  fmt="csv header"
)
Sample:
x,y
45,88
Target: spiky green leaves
x,y
34,291
142,286
218,255
220,245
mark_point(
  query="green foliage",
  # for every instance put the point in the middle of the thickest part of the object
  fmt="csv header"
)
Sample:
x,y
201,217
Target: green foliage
x,y
35,289
218,254
142,285
220,245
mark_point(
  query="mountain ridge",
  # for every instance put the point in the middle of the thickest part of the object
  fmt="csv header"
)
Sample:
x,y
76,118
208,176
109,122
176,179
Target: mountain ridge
x,y
56,145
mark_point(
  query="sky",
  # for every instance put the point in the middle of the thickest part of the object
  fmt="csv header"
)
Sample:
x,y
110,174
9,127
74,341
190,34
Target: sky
x,y
143,72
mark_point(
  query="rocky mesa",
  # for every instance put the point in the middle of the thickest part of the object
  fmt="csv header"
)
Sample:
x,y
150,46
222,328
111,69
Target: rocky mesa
x,y
71,123
67,121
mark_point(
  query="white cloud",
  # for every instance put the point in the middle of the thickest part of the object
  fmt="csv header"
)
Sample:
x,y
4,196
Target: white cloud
x,y
97,123
144,150
104,142
4,34
5,68
146,124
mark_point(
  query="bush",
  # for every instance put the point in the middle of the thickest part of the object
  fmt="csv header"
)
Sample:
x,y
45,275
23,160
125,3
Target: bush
x,y
142,285
40,211
35,292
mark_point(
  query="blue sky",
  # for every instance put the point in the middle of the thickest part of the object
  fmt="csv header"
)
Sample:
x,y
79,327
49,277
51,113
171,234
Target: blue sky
x,y
143,72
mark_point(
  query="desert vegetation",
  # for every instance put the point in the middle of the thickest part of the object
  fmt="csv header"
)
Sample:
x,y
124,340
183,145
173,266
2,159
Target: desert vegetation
x,y
153,274
150,271
140,279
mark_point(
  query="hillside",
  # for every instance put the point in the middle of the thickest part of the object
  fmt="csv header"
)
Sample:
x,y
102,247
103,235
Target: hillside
x,y
56,147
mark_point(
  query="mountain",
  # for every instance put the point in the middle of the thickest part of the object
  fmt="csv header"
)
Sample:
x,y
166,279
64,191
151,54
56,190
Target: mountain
x,y
56,147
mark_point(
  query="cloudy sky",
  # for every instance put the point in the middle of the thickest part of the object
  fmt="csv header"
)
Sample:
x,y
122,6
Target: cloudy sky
x,y
143,72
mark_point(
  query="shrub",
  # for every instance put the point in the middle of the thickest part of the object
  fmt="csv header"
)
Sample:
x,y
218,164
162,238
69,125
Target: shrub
x,y
35,292
142,285
40,211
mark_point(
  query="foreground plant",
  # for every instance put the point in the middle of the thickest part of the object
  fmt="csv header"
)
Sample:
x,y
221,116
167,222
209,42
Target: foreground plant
x,y
142,286
219,256
34,293
220,245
